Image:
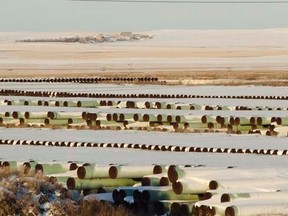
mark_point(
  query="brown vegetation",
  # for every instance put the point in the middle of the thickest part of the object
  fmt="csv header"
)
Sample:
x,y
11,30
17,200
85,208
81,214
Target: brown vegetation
x,y
33,194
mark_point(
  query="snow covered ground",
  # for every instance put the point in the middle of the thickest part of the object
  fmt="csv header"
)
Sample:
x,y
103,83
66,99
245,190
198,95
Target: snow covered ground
x,y
130,156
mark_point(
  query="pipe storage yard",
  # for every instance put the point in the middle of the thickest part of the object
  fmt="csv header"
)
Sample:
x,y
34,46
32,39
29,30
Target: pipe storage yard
x,y
151,148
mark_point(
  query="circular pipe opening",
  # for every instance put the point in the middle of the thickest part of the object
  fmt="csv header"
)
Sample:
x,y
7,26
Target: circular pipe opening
x,y
136,117
172,174
279,121
71,184
175,208
146,117
225,198
113,172
81,172
204,119
157,169
230,211
39,167
213,185
145,181
177,187
164,181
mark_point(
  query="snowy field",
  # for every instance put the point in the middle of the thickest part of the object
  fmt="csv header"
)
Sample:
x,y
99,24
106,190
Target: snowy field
x,y
251,143
99,155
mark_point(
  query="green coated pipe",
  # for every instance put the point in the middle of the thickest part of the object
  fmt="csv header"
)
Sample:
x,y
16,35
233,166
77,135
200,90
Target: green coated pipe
x,y
35,115
149,105
131,171
8,121
88,104
242,121
160,105
182,106
56,122
76,183
23,121
76,121
85,172
70,103
171,106
15,103
188,118
191,185
53,168
195,107
17,114
30,103
282,121
205,119
156,195
11,166
64,115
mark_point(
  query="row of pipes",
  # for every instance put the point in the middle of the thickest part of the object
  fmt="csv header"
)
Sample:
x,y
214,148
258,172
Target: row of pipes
x,y
80,79
165,148
271,126
174,190
14,92
136,105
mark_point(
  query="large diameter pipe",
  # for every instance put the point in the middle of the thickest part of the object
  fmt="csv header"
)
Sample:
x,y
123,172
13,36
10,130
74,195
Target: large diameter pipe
x,y
8,121
190,185
133,171
171,106
242,121
30,103
35,115
79,184
205,119
156,195
227,197
183,106
56,122
160,105
188,118
88,104
177,172
263,120
64,115
282,121
276,207
70,103
15,102
86,172
18,115
11,166
269,183
53,168
195,107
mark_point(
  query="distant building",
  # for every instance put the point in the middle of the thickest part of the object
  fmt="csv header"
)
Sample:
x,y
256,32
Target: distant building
x,y
126,34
